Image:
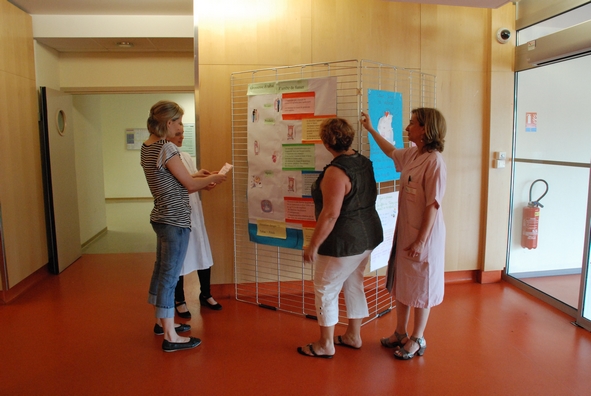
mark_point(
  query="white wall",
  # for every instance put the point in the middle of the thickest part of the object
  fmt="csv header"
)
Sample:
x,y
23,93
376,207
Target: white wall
x,y
560,95
124,177
104,167
112,26
48,75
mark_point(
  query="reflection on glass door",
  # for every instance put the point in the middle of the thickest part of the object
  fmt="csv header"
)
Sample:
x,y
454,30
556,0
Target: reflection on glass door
x,y
553,144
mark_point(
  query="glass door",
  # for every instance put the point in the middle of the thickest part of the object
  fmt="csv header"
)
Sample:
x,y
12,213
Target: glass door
x,y
584,316
552,147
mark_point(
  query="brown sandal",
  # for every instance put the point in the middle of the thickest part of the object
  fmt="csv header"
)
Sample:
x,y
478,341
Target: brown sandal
x,y
386,341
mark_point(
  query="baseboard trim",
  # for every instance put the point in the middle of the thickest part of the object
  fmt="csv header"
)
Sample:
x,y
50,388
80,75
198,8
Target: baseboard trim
x,y
95,237
468,276
485,277
129,199
477,276
7,296
227,290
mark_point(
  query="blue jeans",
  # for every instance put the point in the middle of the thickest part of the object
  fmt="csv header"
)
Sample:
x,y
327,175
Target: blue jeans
x,y
171,249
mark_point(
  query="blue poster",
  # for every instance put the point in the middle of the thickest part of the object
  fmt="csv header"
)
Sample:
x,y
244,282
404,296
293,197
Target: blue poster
x,y
385,111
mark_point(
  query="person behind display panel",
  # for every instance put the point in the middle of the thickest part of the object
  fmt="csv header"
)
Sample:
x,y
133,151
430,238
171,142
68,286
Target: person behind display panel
x,y
198,256
416,266
170,184
347,230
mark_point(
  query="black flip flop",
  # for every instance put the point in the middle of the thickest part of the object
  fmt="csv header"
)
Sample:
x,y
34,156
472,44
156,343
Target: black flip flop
x,y
341,343
314,354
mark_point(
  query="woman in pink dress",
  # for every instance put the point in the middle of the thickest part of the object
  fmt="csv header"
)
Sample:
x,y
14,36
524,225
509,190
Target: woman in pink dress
x,y
416,266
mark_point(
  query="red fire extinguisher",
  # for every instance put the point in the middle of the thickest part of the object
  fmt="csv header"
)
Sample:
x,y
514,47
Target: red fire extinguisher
x,y
531,219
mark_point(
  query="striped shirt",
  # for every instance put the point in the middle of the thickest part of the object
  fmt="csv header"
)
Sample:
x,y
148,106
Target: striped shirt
x,y
171,199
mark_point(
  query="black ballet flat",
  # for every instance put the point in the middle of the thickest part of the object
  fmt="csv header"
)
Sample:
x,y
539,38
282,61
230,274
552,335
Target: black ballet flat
x,y
168,346
205,303
184,315
158,330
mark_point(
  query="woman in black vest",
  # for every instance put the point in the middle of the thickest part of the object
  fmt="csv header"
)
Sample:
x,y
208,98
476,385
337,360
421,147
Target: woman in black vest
x,y
347,230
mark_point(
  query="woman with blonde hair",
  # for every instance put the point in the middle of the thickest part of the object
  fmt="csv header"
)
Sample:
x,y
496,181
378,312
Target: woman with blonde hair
x,y
170,184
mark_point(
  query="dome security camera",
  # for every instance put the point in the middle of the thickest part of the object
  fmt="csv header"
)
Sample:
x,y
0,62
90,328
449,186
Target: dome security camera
x,y
503,35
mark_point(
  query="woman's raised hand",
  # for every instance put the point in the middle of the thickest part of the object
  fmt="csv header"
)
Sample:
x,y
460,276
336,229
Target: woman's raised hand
x,y
366,121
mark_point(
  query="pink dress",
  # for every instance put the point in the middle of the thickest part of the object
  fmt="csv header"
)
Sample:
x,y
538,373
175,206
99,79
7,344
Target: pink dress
x,y
418,282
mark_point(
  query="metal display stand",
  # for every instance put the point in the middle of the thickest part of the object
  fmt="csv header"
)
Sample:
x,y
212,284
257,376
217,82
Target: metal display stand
x,y
277,278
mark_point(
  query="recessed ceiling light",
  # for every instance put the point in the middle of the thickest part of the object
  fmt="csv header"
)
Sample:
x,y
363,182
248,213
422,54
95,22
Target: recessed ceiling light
x,y
124,44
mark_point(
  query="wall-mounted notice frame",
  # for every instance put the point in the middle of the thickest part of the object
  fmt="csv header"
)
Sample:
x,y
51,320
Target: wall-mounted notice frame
x,y
134,137
189,140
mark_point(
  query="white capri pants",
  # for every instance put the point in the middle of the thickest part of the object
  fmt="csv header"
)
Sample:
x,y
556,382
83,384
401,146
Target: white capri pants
x,y
333,274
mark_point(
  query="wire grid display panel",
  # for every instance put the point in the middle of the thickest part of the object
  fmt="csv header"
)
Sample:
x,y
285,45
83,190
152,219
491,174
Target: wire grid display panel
x,y
274,277
417,90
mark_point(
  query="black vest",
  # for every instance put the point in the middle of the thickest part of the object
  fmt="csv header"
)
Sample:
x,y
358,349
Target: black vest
x,y
358,227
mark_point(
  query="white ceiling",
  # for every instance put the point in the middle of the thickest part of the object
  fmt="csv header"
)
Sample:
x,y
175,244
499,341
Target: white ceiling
x,y
150,7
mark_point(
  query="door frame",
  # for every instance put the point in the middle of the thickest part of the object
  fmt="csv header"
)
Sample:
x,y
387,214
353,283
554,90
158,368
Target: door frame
x,y
586,273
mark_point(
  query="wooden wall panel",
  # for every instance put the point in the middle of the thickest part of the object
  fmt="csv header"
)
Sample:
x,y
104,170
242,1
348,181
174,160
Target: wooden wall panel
x,y
216,149
454,38
21,188
462,205
454,43
277,34
16,48
453,47
288,30
380,31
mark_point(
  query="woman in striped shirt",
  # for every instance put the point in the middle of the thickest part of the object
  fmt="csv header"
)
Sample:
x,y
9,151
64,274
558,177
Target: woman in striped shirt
x,y
170,184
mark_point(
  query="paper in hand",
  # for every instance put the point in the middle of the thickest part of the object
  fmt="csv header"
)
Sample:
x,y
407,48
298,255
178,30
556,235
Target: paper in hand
x,y
226,168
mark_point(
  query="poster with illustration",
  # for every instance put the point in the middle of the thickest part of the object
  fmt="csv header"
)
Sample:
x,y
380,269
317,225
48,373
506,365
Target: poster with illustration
x,y
285,156
385,111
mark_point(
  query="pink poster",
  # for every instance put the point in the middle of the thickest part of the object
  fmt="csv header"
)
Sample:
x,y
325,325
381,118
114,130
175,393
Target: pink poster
x,y
531,122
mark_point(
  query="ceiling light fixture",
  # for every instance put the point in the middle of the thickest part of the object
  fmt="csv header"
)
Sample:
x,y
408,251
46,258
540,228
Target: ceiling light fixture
x,y
124,44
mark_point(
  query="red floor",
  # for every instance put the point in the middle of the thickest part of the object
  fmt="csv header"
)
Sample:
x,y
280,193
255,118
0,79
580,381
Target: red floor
x,y
89,332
